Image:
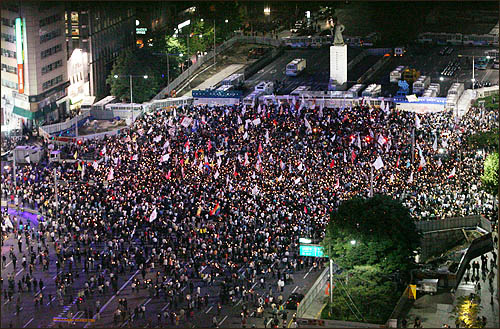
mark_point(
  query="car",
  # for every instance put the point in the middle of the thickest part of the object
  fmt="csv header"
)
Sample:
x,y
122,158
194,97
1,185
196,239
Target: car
x,y
293,301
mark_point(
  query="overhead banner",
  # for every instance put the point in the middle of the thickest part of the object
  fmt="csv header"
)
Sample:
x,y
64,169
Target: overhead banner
x,y
19,55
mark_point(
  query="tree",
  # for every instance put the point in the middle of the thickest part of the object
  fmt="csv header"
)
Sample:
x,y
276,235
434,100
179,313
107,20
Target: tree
x,y
484,139
490,176
137,62
384,234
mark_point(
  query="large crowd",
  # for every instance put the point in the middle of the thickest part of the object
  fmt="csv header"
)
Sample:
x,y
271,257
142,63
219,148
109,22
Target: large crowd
x,y
234,187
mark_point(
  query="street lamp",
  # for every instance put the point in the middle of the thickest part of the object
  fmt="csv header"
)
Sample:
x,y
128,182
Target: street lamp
x,y
267,11
116,76
353,242
441,79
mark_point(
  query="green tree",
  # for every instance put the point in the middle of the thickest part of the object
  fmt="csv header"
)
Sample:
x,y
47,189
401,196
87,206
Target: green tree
x,y
484,139
383,231
136,62
490,176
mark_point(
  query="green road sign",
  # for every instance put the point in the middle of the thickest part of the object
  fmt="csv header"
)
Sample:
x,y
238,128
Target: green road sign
x,y
311,251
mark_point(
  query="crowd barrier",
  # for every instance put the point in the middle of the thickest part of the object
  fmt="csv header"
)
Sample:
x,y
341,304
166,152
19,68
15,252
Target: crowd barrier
x,y
316,291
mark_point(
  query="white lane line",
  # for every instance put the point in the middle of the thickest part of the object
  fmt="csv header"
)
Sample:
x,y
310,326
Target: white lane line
x,y
256,282
223,320
28,322
294,289
39,291
305,276
19,271
251,314
183,289
164,307
55,276
8,263
113,297
268,323
6,302
147,302
209,309
51,300
238,303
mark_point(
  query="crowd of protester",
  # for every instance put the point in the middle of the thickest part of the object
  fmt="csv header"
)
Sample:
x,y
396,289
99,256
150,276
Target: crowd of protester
x,y
235,188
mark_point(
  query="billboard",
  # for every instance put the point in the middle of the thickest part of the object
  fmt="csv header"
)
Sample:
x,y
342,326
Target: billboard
x,y
19,55
311,251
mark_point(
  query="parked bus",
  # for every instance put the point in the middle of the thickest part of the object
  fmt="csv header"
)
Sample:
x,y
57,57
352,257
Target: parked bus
x,y
481,63
295,67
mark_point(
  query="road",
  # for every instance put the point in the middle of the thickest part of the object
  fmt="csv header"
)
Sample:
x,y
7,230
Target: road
x,y
32,316
316,74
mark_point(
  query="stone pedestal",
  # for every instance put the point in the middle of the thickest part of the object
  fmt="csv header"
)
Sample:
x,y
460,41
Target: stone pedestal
x,y
338,64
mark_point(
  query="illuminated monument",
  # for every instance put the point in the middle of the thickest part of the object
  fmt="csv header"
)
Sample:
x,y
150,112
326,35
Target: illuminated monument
x,y
338,58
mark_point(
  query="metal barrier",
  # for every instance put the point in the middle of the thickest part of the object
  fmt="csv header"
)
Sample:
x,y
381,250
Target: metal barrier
x,y
453,223
402,303
317,289
46,131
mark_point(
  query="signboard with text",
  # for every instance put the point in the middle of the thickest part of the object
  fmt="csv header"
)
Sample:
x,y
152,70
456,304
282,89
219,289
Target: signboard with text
x,y
311,251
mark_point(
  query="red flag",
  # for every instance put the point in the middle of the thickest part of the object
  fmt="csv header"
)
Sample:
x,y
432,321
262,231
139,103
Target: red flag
x,y
187,145
167,176
260,148
332,163
353,156
397,162
209,145
196,155
305,209
182,162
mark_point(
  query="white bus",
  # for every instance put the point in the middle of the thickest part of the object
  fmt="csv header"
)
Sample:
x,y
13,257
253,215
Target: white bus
x,y
395,75
300,89
266,87
295,67
253,98
421,84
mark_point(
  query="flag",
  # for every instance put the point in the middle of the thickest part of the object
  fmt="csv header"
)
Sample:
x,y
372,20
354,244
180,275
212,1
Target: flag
x,y
260,148
345,158
186,145
422,163
337,183
255,190
353,156
186,121
410,180
256,121
381,140
111,174
282,165
157,139
167,176
378,163
150,130
95,165
79,166
245,136
305,209
133,157
216,175
435,144
439,163
452,174
198,212
267,136
27,158
219,162
397,162
308,126
153,215
216,210
209,145
271,158
165,157
391,179
245,163
332,163
239,121
297,180
417,121
300,167
359,142
75,155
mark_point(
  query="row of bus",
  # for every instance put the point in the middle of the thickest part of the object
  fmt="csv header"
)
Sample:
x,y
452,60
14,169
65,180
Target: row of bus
x,y
458,39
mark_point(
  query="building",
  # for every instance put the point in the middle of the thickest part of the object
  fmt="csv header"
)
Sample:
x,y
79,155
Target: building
x,y
34,64
96,33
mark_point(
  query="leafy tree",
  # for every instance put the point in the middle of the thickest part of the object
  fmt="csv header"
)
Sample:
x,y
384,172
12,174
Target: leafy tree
x,y
383,231
490,176
484,139
137,62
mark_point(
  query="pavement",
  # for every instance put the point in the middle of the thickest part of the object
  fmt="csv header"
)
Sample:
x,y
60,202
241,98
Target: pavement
x,y
216,78
434,311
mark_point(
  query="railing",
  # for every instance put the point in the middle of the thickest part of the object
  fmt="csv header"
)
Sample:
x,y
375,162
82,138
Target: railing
x,y
317,289
398,309
46,131
210,55
453,223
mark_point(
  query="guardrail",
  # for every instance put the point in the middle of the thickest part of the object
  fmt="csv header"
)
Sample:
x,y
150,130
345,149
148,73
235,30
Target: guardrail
x,y
453,223
46,131
317,288
402,303
210,55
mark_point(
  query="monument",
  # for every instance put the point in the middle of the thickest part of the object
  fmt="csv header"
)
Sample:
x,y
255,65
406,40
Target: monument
x,y
338,57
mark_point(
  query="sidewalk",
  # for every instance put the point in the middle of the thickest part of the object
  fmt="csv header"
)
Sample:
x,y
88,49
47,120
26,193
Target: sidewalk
x,y
434,311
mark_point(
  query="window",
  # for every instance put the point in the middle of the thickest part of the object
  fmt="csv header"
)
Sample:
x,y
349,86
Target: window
x,y
9,38
50,20
51,51
50,67
50,35
9,84
8,22
52,82
8,53
8,68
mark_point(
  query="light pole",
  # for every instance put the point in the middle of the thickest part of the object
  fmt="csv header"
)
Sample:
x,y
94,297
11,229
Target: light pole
x,y
116,76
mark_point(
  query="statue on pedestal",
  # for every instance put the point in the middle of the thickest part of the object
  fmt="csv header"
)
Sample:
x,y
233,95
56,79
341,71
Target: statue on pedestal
x,y
337,33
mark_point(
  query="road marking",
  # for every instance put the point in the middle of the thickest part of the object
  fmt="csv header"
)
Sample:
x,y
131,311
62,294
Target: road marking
x,y
238,302
8,264
294,289
39,291
256,282
20,309
55,276
251,314
164,307
269,322
223,320
147,302
6,302
28,322
19,271
113,297
305,276
51,300
209,309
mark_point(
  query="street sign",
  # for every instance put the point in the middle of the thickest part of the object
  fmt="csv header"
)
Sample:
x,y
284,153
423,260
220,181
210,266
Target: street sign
x,y
311,251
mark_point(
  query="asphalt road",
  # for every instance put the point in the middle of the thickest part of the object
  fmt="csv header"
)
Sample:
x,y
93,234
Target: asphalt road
x,y
316,74
32,316
428,61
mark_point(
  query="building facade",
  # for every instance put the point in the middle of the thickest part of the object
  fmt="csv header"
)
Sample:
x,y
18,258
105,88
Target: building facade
x,y
34,64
